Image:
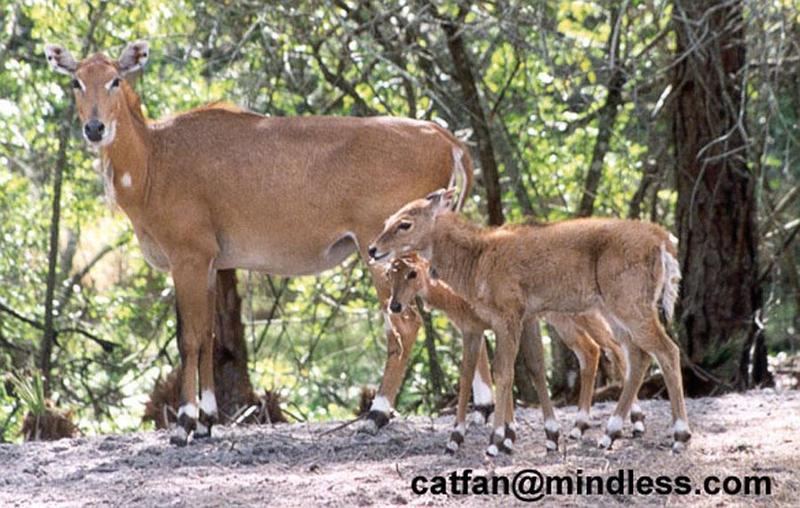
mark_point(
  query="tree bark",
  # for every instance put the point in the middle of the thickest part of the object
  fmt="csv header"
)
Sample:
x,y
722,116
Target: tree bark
x,y
49,332
720,295
490,175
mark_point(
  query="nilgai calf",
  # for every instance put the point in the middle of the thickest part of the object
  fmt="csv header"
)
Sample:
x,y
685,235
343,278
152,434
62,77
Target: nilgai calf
x,y
623,269
584,334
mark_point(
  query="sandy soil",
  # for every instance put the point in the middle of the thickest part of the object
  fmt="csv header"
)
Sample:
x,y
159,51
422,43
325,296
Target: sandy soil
x,y
755,433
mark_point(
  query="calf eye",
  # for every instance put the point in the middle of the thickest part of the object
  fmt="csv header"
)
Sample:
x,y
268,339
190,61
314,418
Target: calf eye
x,y
115,83
412,274
76,84
404,226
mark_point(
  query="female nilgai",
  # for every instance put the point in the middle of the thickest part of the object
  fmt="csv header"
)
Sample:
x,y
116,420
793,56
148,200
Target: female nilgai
x,y
217,187
621,268
584,334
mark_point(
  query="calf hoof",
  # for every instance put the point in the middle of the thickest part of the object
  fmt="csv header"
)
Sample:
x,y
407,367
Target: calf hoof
x,y
482,413
577,431
456,440
552,433
680,436
500,442
608,439
638,423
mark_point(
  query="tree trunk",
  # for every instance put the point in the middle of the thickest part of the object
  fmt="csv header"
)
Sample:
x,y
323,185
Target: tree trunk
x,y
720,297
49,332
477,116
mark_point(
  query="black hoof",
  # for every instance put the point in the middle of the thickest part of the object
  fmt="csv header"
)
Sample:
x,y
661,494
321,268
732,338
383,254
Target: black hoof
x,y
378,417
179,437
485,410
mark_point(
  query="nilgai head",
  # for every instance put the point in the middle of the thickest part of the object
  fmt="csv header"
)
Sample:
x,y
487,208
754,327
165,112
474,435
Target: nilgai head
x,y
408,278
410,228
98,84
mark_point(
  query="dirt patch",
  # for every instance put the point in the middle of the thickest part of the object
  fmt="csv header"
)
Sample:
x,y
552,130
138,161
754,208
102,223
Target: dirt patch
x,y
755,433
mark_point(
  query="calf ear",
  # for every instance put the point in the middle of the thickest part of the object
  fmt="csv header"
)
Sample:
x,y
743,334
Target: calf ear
x,y
133,57
441,199
60,59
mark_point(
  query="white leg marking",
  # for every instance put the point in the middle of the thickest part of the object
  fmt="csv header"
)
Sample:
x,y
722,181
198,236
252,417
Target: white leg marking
x,y
614,424
582,417
452,446
201,429
605,442
638,426
508,444
208,402
551,425
381,403
513,426
575,433
500,431
481,392
680,426
551,445
189,410
492,450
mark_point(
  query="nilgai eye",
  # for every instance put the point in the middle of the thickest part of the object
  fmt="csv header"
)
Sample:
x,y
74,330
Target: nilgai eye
x,y
412,274
404,226
76,84
115,83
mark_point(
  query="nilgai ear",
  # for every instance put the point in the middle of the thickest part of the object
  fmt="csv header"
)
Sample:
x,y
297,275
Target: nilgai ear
x,y
442,199
435,196
60,59
133,57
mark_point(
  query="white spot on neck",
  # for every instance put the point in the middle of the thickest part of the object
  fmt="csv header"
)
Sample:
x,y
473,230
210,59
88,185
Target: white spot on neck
x,y
126,180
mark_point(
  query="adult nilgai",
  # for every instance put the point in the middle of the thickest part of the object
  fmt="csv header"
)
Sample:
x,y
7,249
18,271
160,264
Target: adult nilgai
x,y
218,187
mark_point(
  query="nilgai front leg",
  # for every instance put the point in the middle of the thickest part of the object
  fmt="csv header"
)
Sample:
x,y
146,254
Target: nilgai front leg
x,y
194,280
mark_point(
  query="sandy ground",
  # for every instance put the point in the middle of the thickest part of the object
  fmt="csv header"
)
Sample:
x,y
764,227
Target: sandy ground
x,y
755,433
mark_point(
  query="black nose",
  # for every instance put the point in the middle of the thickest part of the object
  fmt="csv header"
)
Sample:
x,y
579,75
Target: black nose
x,y
395,307
94,130
372,251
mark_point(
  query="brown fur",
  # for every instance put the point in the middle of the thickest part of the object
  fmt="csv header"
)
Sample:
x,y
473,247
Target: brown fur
x,y
215,189
617,267
584,334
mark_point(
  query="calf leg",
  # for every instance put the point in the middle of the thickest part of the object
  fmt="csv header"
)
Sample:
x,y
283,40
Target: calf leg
x,y
482,396
508,333
533,355
472,347
638,363
600,331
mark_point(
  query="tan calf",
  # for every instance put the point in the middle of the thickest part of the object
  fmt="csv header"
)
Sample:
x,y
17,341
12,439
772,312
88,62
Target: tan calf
x,y
218,187
409,277
621,268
